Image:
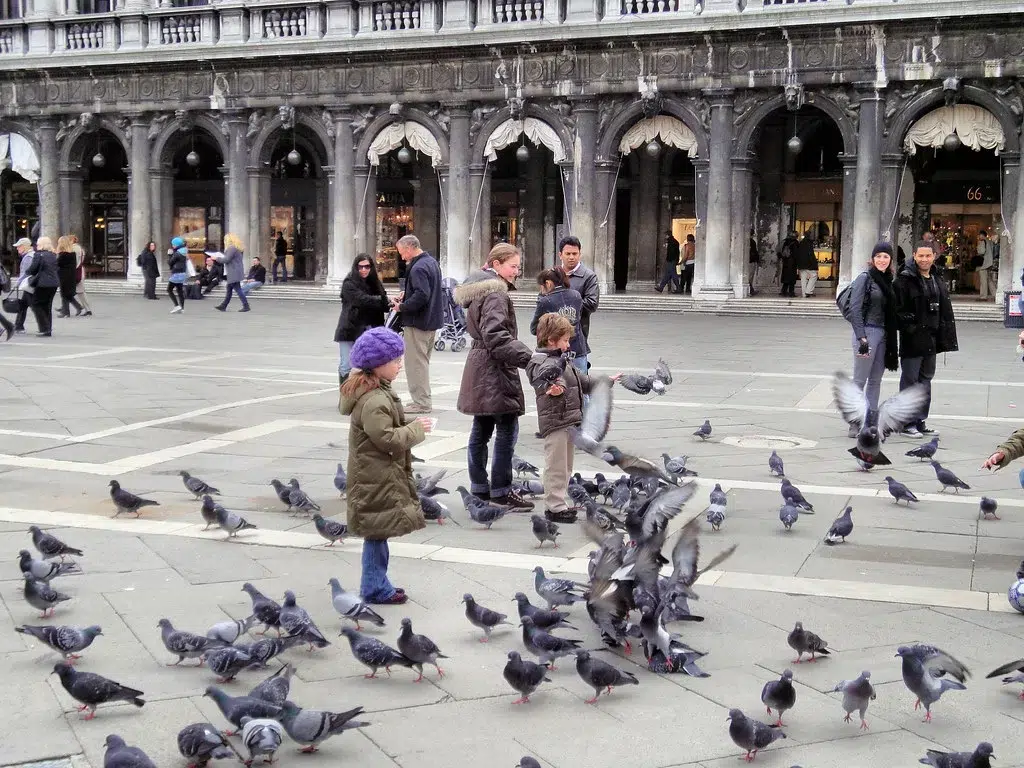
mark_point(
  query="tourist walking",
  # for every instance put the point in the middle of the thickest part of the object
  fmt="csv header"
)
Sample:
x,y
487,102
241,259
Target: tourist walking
x,y
23,285
670,275
80,296
556,296
491,391
582,280
421,305
45,280
233,260
689,258
150,270
364,304
807,264
753,262
787,265
66,272
280,258
177,263
6,284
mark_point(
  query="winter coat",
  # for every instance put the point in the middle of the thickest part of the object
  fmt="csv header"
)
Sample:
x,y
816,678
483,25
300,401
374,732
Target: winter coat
x,y
788,259
382,501
147,260
176,261
805,258
922,331
584,282
360,309
44,267
234,265
867,302
555,412
66,273
490,380
569,304
422,306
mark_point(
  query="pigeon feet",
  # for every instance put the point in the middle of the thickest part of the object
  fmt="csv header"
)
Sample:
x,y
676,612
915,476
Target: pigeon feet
x,y
309,750
440,673
847,718
484,639
864,725
590,701
419,679
91,715
750,756
796,660
73,657
927,717
917,705
524,700
371,676
779,722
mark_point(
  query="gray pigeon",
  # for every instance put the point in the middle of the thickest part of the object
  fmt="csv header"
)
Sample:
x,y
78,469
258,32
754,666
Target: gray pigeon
x,y
67,641
340,480
331,530
718,496
184,645
128,502
544,530
261,736
299,500
227,632
988,508
50,546
265,649
788,514
545,619
947,479
775,465
601,675
352,607
481,511
234,708
275,688
622,494
372,653
311,727
524,676
842,527
40,570
295,621
751,735
527,762
802,641
899,491
208,511
925,670
420,649
120,755
266,611
196,486
428,486
857,695
870,426
283,492
925,451
482,617
435,510
42,596
674,464
792,495
523,467
528,487
979,758
779,695
682,659
91,690
715,515
546,646
231,522
202,742
704,431
228,662
557,591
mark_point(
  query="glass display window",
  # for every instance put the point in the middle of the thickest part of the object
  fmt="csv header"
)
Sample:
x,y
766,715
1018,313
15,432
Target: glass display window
x,y
393,223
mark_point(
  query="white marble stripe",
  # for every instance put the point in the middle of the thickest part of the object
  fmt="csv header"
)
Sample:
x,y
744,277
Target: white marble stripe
x,y
93,353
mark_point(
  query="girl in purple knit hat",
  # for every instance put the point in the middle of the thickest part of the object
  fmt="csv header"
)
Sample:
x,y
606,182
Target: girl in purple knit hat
x,y
382,499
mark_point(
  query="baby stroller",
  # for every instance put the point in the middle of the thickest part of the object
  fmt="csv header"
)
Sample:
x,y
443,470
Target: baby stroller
x,y
454,329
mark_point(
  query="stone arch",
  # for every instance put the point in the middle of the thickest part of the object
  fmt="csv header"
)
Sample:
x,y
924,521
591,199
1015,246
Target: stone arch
x,y
380,122
847,128
73,141
542,113
935,96
7,125
164,147
265,142
608,144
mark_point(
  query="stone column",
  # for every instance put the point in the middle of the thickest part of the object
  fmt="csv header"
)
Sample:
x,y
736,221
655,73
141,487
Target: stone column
x,y
718,221
888,215
161,212
604,231
849,264
480,194
72,203
343,200
584,178
739,261
533,222
365,206
236,196
1015,254
49,184
139,211
255,235
459,206
866,196
700,192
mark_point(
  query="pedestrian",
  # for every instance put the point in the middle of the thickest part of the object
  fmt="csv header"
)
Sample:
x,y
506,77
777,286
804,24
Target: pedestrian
x,y
150,270
381,493
177,263
753,262
66,275
491,391
233,260
689,264
45,280
582,280
988,269
556,296
560,389
256,278
364,303
421,306
926,324
873,317
80,296
670,276
807,264
280,257
23,285
787,260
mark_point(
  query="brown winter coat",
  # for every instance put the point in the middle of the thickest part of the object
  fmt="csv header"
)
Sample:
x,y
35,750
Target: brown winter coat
x,y
490,380
382,500
1013,448
555,412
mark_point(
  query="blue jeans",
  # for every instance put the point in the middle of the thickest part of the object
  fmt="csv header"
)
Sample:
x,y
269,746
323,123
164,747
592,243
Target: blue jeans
x,y
375,585
235,288
580,364
245,288
505,428
344,365
669,276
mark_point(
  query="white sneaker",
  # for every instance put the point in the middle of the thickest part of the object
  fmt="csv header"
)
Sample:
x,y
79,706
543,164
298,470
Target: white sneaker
x,y
912,431
175,310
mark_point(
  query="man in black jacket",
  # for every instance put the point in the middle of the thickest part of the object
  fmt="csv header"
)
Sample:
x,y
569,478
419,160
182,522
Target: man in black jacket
x,y
807,263
422,308
583,280
927,326
670,276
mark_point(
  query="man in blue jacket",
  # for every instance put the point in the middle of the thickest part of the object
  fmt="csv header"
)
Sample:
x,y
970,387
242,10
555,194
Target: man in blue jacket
x,y
422,308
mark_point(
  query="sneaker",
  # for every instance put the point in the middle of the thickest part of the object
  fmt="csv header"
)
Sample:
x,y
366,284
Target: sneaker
x,y
244,309
926,430
911,431
175,310
397,598
414,408
221,308
513,501
564,516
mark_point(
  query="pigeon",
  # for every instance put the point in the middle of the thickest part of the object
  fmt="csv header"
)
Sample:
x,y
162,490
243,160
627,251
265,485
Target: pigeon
x,y
550,619
295,621
311,727
681,660
717,495
636,466
420,648
792,495
926,450
50,546
482,617
979,758
987,508
925,670
1013,666
857,694
842,527
788,514
428,486
544,530
524,676
128,502
120,755
266,611
481,511
779,695
232,523
675,465
196,486
546,646
208,511
640,384
602,518
275,689
228,662
715,515
234,708
802,641
341,480
227,632
704,431
622,494
523,467
899,491
600,674
202,742
184,645
751,735
527,762
91,690
352,607
265,649
435,510
372,653
331,530
40,570
42,596
67,641
299,501
557,591
775,465
284,493
947,479
528,487
905,407
261,736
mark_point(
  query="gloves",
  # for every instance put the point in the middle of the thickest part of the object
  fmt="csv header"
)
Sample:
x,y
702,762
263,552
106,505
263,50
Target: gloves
x,y
863,349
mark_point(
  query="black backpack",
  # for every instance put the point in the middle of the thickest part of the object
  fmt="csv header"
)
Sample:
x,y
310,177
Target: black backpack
x,y
844,299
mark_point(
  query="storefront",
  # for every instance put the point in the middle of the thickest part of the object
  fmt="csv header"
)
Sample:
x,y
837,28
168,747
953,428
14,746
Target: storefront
x,y
816,209
395,219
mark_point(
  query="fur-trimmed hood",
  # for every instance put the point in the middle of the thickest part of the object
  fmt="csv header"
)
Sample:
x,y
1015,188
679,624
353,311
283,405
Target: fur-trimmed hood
x,y
481,283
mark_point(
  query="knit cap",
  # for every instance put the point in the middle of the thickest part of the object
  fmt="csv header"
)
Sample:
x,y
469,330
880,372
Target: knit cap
x,y
376,347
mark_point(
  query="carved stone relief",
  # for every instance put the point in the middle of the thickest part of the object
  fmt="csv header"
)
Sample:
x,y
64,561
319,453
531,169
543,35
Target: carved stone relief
x,y
439,113
156,124
845,101
744,103
362,119
895,98
478,117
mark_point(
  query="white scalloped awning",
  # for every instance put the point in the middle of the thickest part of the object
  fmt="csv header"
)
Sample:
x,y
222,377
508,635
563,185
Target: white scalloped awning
x,y
537,131
16,153
671,130
976,126
392,136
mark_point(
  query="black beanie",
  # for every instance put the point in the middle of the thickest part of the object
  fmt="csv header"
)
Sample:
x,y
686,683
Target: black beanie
x,y
882,247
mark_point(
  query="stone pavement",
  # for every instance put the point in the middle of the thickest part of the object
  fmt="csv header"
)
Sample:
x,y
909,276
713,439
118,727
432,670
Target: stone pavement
x,y
137,394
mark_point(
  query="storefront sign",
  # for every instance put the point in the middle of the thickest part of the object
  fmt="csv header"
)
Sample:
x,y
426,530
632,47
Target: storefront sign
x,y
957,193
812,191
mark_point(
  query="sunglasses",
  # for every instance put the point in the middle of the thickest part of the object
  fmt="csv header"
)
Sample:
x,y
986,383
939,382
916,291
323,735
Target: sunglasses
x,y
364,266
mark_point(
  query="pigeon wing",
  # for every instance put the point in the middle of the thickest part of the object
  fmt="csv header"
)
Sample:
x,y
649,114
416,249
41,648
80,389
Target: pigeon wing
x,y
902,408
665,506
1013,666
849,399
641,385
597,418
662,373
939,662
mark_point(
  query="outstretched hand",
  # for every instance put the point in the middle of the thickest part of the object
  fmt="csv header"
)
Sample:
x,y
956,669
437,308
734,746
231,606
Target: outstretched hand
x,y
994,460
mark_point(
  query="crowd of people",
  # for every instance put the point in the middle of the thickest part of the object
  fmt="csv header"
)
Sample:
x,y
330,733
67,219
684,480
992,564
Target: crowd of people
x,y
44,270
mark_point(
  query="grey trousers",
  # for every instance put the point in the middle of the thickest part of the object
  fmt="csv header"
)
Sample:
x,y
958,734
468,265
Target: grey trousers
x,y
918,370
418,346
558,451
869,370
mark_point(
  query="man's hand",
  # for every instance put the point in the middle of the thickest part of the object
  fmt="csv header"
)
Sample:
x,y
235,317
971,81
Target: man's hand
x,y
555,390
994,460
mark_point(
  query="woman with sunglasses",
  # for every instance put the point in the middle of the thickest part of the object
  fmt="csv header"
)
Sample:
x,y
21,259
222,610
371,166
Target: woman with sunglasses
x,y
363,305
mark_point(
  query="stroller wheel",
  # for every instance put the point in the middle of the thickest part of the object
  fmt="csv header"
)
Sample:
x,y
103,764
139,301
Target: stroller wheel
x,y
439,345
459,345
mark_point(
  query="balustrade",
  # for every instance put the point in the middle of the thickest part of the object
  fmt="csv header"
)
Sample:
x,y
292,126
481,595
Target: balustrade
x,y
639,7
284,22
396,16
175,30
83,36
511,11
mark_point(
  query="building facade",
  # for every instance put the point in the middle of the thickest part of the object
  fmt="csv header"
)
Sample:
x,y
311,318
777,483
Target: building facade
x,y
344,124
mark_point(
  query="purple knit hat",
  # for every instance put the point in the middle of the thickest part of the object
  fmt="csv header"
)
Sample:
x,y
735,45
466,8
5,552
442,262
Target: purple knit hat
x,y
375,348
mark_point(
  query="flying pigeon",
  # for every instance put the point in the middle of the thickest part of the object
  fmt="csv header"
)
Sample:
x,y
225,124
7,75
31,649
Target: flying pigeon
x,y
636,466
42,596
231,522
331,530
925,451
775,465
91,690
524,676
988,507
208,511
184,645
67,641
947,479
792,495
546,646
283,492
275,689
802,641
352,607
842,527
120,755
311,727
779,695
751,735
523,467
481,511
372,653
979,758
557,591
925,670
295,621
788,514
596,419
682,659
600,674
202,742
299,501
261,736
899,491
50,546
482,617
420,649
234,708
128,502
266,611
196,486
857,694
227,632
545,619
893,415
704,431
544,530
341,480
40,570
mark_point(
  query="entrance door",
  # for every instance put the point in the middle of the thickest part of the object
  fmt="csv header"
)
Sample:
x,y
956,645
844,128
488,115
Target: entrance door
x,y
623,203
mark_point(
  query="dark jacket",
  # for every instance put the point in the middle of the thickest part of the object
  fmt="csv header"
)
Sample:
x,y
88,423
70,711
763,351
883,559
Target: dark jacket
x,y
211,277
147,260
490,380
584,282
805,258
233,261
381,492
423,304
672,251
788,259
555,412
360,309
923,332
176,262
66,266
44,268
867,303
569,304
257,274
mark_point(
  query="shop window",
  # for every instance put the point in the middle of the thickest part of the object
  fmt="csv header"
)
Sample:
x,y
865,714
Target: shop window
x,y
393,223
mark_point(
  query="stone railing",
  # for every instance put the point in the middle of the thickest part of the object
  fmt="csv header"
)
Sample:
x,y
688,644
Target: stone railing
x,y
635,7
83,36
181,29
510,11
397,16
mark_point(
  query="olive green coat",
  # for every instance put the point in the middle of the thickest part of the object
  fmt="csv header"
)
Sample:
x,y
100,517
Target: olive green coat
x,y
1013,448
382,500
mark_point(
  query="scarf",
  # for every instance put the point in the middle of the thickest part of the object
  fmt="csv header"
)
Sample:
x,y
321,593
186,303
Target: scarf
x,y
884,282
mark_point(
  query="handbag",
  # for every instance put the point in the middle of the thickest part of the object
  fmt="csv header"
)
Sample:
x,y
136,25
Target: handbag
x,y
12,302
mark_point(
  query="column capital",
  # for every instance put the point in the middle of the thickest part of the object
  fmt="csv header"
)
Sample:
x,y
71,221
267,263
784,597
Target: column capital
x,y
719,97
457,108
745,164
340,113
848,160
583,103
869,90
1010,158
45,124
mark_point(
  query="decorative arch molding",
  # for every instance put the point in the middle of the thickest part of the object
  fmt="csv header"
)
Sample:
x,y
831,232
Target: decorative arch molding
x,y
608,145
25,130
378,124
164,146
265,142
99,123
750,123
672,131
19,150
537,111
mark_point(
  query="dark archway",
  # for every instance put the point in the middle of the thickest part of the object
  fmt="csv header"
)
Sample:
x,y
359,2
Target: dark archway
x,y
99,159
197,191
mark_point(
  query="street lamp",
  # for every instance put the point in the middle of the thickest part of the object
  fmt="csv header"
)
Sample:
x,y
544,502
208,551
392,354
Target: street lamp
x,y
522,153
653,148
192,158
404,156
